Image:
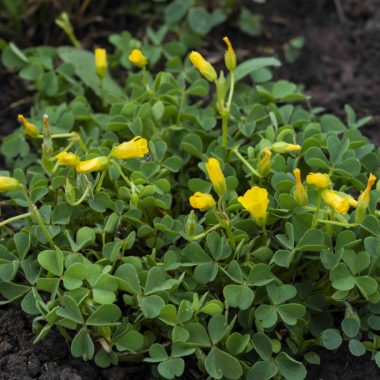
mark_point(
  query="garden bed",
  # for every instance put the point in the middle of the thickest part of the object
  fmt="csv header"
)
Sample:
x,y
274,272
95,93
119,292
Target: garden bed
x,y
339,65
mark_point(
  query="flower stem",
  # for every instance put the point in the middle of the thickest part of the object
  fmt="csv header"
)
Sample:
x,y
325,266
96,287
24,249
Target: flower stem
x,y
225,129
15,218
101,179
246,163
200,236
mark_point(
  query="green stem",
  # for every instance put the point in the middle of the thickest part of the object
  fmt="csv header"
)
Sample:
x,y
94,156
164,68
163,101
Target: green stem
x,y
38,218
315,217
347,225
246,163
225,129
200,236
15,218
102,92
117,166
82,198
101,179
232,87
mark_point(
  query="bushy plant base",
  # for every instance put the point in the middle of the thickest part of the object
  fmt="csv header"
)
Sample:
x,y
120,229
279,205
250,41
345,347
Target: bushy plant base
x,y
165,220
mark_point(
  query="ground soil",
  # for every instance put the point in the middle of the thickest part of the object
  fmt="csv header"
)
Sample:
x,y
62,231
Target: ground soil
x,y
338,65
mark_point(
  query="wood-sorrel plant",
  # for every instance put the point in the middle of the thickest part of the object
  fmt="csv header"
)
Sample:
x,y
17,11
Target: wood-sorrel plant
x,y
162,222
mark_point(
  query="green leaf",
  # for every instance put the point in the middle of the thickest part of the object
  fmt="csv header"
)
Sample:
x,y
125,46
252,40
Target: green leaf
x,y
290,368
70,310
176,10
350,327
199,20
74,276
267,315
52,261
104,315
251,65
367,285
82,345
131,341
240,296
22,242
331,339
262,370
312,240
260,275
217,327
237,343
171,368
220,365
157,353
291,312
263,346
342,278
128,279
12,291
356,347
151,305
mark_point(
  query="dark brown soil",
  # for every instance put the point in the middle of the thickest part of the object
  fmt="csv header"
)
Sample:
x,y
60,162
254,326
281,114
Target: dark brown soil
x,y
338,66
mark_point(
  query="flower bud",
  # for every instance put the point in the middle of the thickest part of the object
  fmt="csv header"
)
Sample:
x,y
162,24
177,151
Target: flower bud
x,y
29,128
101,62
221,91
69,192
283,147
8,184
138,58
300,193
334,200
135,148
256,202
363,200
67,158
229,55
216,176
202,201
94,165
191,223
319,180
264,164
204,67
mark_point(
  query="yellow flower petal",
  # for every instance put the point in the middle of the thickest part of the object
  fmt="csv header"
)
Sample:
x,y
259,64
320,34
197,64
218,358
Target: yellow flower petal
x,y
67,158
94,165
319,180
135,148
216,175
138,58
202,201
204,67
8,184
256,202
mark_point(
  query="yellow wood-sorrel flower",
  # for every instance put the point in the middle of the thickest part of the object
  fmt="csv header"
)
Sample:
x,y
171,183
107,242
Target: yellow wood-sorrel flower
x,y
29,128
363,200
229,55
101,62
300,193
283,147
319,180
204,67
67,158
138,58
256,202
8,184
334,200
263,166
94,165
202,201
216,176
135,148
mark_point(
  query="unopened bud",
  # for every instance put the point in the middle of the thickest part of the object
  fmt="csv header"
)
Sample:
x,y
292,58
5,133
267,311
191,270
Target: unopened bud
x,y
191,223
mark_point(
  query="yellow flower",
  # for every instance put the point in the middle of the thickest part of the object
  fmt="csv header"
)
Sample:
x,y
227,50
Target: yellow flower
x,y
204,67
256,201
101,62
319,180
264,164
283,147
202,201
216,176
364,198
229,55
8,184
334,200
300,193
138,58
137,147
29,128
67,158
351,201
94,165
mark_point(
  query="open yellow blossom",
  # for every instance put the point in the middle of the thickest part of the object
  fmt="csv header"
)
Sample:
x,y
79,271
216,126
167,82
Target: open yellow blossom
x,y
94,165
334,200
229,55
101,62
202,201
216,176
29,128
351,200
263,166
67,158
364,199
300,193
8,184
137,147
138,58
319,180
256,202
283,147
204,67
